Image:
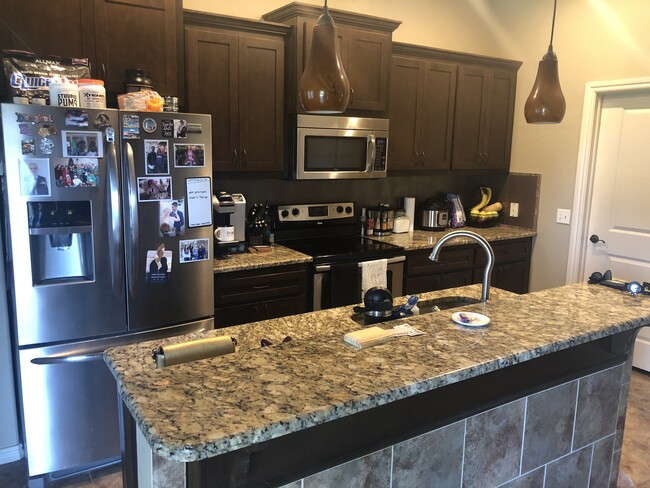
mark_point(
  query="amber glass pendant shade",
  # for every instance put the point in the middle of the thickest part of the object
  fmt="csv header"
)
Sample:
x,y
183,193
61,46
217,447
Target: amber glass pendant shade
x,y
324,87
546,102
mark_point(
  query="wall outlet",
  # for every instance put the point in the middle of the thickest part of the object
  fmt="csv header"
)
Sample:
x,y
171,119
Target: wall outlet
x,y
514,209
563,216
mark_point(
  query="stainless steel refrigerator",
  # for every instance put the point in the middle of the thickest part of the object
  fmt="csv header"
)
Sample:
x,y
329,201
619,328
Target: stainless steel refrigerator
x,y
108,222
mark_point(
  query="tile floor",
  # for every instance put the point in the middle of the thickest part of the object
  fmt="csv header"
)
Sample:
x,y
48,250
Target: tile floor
x,y
635,462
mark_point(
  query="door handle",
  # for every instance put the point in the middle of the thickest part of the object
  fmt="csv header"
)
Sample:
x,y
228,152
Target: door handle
x,y
114,217
234,157
595,239
132,197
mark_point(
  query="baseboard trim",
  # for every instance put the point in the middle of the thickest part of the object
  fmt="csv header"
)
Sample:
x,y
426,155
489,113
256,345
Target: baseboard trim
x,y
11,454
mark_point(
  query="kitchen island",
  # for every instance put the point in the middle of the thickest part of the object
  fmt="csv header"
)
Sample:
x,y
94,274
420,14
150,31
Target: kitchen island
x,y
540,393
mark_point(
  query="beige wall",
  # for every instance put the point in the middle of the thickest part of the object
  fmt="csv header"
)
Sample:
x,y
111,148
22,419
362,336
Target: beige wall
x,y
595,40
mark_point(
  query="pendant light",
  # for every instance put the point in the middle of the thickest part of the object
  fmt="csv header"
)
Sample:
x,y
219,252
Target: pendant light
x,y
546,103
324,87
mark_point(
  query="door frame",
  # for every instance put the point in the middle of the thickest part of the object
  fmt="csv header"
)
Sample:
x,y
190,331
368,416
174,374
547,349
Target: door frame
x,y
595,93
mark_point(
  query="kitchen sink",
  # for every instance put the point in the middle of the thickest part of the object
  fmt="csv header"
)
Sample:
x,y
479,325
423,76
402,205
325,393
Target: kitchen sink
x,y
427,306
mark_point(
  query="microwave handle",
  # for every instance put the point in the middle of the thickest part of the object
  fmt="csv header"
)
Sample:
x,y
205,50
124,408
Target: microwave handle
x,y
371,150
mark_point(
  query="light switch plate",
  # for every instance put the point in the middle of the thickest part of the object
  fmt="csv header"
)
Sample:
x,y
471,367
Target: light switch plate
x,y
563,216
514,209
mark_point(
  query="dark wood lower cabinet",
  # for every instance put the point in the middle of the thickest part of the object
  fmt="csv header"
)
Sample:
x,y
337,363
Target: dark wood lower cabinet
x,y
248,296
464,265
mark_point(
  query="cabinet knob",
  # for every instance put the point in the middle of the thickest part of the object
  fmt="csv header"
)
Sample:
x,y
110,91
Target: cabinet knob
x,y
244,157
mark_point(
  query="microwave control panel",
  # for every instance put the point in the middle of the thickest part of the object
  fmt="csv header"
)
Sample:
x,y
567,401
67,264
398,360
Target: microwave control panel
x,y
379,164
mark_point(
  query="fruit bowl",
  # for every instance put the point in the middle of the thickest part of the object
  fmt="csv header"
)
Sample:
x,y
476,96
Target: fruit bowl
x,y
482,222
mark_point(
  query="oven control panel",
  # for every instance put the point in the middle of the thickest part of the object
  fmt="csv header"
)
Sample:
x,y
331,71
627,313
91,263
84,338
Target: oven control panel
x,y
315,212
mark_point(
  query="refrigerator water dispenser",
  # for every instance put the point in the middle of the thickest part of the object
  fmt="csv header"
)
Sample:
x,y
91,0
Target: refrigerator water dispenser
x,y
61,242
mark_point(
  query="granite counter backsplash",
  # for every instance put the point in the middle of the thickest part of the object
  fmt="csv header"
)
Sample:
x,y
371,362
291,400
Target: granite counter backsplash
x,y
205,408
421,239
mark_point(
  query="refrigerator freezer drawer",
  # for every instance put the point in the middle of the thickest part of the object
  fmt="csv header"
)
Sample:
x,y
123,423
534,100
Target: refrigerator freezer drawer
x,y
69,400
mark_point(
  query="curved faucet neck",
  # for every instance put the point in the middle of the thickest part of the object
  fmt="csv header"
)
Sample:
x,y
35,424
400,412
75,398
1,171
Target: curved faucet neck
x,y
487,272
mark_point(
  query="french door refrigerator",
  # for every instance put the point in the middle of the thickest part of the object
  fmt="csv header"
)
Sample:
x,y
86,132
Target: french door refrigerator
x,y
108,227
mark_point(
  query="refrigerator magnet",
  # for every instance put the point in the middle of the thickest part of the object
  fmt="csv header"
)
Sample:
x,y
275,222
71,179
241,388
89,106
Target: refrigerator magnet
x,y
180,128
149,125
156,157
154,189
172,218
198,192
76,118
193,250
76,172
167,128
46,145
47,130
101,121
34,119
189,155
194,128
158,265
130,127
25,129
35,177
27,146
82,144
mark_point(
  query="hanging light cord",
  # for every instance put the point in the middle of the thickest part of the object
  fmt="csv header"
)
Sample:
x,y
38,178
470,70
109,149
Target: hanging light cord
x,y
550,45
325,11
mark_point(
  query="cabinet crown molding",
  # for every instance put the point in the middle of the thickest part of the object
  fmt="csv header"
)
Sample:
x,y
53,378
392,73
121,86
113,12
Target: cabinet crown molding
x,y
204,19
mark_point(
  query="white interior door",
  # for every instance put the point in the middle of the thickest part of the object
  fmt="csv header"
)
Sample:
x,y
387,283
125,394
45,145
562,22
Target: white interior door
x,y
618,214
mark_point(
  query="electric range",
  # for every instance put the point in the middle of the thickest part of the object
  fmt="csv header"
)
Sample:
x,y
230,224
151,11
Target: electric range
x,y
331,234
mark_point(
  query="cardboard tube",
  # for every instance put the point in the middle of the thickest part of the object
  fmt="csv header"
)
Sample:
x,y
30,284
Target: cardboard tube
x,y
193,351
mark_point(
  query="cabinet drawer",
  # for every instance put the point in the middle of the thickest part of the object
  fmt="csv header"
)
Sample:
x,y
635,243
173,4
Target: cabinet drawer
x,y
244,287
450,259
253,312
440,281
507,251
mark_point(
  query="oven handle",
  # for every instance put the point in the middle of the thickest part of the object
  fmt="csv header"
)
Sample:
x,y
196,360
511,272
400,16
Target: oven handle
x,y
323,268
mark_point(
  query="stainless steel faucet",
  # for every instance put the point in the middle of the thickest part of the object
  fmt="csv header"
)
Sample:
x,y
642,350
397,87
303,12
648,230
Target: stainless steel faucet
x,y
487,273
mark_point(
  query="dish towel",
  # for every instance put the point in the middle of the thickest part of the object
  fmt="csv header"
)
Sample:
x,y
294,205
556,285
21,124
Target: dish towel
x,y
373,273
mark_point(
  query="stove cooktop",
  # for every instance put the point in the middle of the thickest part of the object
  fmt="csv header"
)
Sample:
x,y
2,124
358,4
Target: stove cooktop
x,y
341,249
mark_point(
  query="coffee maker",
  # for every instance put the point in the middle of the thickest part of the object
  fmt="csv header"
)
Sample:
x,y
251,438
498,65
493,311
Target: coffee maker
x,y
229,211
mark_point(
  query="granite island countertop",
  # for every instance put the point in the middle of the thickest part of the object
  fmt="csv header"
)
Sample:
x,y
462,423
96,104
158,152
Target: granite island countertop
x,y
410,241
202,409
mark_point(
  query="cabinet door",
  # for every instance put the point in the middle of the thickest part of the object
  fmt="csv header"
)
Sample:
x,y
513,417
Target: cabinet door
x,y
469,121
366,59
213,56
261,103
438,97
405,101
143,34
500,114
59,27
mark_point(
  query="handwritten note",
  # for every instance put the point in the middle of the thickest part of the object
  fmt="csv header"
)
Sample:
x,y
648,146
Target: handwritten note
x,y
199,202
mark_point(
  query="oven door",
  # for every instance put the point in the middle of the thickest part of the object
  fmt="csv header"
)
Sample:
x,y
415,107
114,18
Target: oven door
x,y
322,282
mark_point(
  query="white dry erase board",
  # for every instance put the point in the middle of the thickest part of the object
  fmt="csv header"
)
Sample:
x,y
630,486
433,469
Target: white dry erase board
x,y
199,201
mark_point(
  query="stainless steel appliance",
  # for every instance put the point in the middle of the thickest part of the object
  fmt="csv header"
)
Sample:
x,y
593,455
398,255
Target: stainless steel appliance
x,y
230,211
435,216
108,220
329,233
330,147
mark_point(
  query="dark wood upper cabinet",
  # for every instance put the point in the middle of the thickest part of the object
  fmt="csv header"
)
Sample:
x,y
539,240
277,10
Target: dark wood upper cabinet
x,y
365,46
56,27
146,34
114,35
235,72
484,115
423,92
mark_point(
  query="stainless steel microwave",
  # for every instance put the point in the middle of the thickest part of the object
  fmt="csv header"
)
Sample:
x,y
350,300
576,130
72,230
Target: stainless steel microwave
x,y
340,147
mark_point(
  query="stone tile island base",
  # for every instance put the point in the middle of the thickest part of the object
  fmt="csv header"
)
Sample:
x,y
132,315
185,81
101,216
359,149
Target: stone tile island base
x,y
555,421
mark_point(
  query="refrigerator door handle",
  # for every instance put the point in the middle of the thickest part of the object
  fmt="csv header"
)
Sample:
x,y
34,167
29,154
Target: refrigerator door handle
x,y
74,358
132,240
114,217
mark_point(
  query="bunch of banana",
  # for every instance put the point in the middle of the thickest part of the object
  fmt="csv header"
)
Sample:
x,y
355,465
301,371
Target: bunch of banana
x,y
483,211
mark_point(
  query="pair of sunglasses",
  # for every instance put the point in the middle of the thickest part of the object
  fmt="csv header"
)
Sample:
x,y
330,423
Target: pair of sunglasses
x,y
267,343
597,276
